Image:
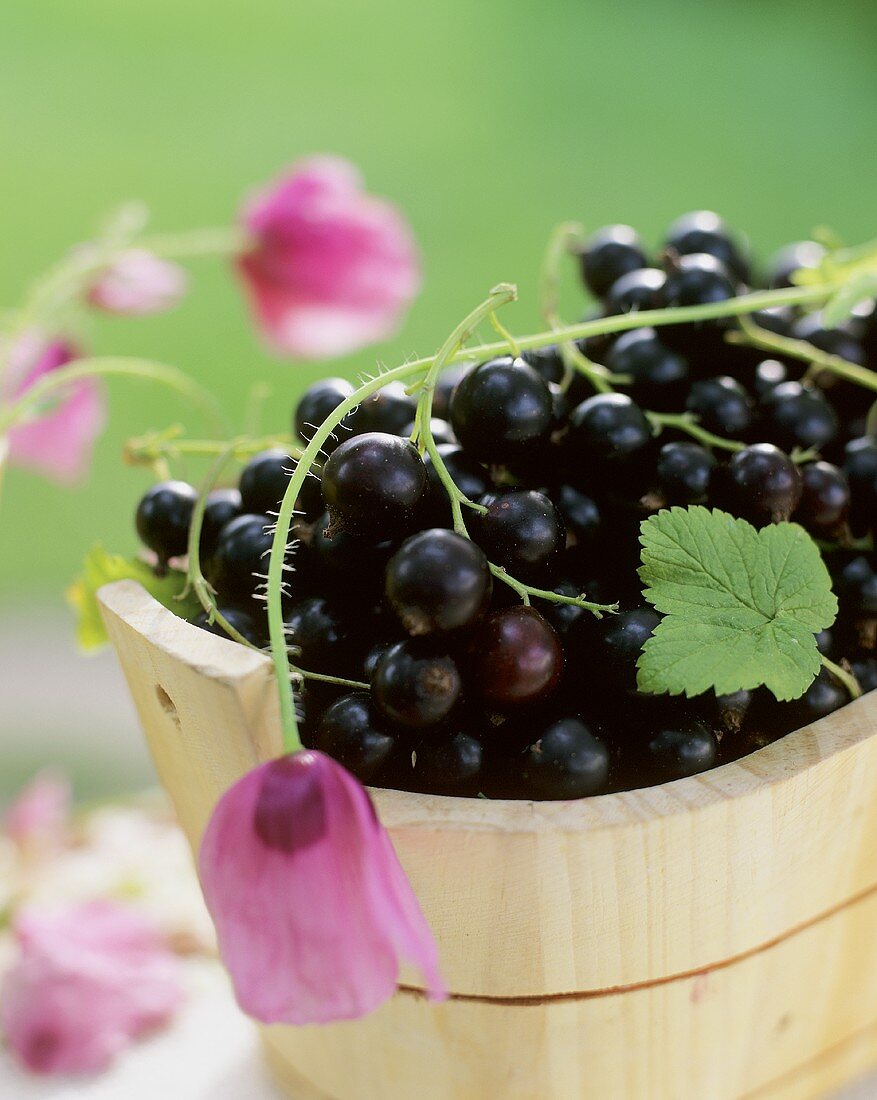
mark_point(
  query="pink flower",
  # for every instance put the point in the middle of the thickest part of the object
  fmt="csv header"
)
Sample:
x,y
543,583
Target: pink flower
x,y
137,283
59,440
331,268
311,907
40,815
90,979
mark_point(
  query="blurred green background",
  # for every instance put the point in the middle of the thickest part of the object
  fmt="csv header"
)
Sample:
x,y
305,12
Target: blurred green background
x,y
487,122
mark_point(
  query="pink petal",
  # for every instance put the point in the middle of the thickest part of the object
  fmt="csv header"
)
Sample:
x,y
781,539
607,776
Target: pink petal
x,y
311,908
138,283
40,815
331,268
90,979
59,442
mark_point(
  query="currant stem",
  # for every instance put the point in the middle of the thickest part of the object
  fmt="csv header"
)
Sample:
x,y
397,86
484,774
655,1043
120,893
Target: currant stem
x,y
687,422
196,581
757,337
163,375
160,446
846,678
527,592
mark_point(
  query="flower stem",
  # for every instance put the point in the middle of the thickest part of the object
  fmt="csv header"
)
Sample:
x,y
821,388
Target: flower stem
x,y
846,678
687,422
222,241
52,384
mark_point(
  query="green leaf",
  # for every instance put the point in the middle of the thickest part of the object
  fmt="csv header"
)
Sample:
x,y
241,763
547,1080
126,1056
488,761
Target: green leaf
x,y
100,568
742,606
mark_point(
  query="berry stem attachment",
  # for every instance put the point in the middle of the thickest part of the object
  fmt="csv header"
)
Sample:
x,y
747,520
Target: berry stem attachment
x,y
846,678
504,332
499,296
52,385
561,243
757,337
196,581
527,593
687,422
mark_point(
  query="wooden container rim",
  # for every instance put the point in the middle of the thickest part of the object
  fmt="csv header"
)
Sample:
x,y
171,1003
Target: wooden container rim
x,y
227,661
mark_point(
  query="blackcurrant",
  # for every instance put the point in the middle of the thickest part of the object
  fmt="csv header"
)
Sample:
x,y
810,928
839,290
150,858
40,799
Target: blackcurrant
x,y
516,657
676,753
416,684
323,635
239,564
245,623
580,513
704,232
438,580
521,531
696,280
839,341
619,642
315,404
795,415
800,256
163,517
636,291
760,484
264,480
684,471
374,482
221,506
351,731
388,410
501,409
825,695
440,430
448,764
860,466
768,374
547,362
659,375
825,498
445,386
609,427
611,252
566,760
722,406
346,559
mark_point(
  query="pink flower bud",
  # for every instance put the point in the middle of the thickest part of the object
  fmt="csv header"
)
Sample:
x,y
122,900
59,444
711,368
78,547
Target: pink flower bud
x,y
40,815
330,269
57,441
89,980
138,283
312,909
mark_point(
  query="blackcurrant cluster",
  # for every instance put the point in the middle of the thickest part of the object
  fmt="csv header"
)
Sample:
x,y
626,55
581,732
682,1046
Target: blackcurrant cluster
x,y
454,684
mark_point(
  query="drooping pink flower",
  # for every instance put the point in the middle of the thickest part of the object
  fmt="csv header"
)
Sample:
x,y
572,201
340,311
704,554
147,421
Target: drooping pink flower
x,y
138,283
90,979
57,441
40,815
330,268
312,909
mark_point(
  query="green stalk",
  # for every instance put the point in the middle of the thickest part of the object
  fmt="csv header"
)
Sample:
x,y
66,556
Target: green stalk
x,y
846,678
171,377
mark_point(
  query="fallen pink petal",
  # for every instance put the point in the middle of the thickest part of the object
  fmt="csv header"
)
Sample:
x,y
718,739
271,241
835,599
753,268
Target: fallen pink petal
x,y
56,442
90,979
331,269
312,909
39,817
138,283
